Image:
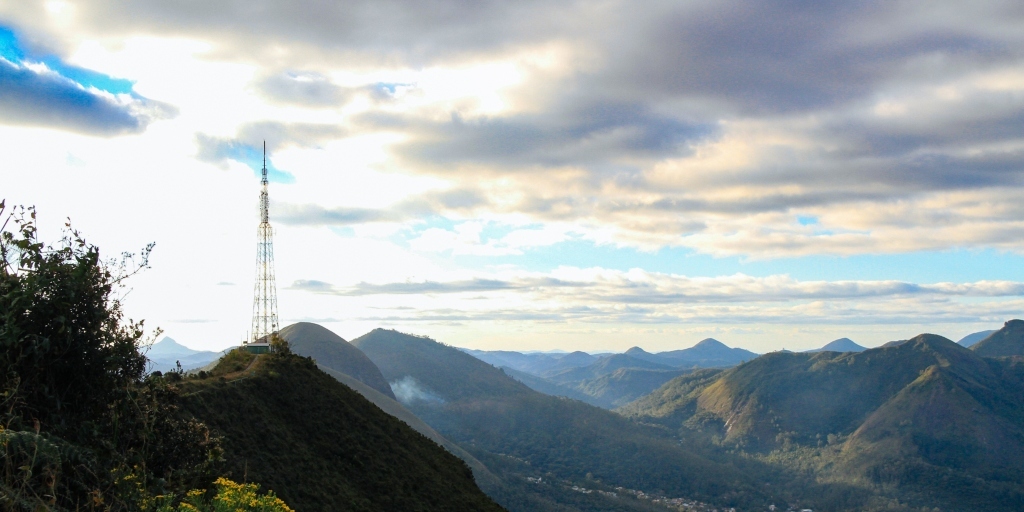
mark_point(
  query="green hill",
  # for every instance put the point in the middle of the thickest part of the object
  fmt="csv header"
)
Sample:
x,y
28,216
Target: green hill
x,y
1008,341
675,401
624,385
439,369
547,387
336,357
488,412
320,445
925,420
331,351
603,366
608,390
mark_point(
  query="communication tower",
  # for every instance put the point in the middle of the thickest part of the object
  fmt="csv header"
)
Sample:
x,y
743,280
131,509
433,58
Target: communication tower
x,y
264,305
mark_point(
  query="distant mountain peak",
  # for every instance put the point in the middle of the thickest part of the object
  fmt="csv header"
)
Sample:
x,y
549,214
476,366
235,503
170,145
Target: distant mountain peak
x,y
710,342
636,350
168,347
840,345
973,338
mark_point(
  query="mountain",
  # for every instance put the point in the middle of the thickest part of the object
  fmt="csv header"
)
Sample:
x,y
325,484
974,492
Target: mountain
x,y
601,366
840,345
530,363
926,418
546,386
536,363
165,355
624,385
675,401
969,340
708,353
321,446
167,347
639,353
574,360
1008,341
607,390
331,351
499,418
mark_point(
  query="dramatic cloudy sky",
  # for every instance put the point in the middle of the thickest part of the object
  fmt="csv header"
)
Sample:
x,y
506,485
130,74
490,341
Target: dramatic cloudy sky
x,y
535,175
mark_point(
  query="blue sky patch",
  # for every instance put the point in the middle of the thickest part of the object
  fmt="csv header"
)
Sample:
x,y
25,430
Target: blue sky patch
x,y
9,48
253,157
12,50
959,265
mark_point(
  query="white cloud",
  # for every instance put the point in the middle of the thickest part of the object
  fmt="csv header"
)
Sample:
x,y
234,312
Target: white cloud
x,y
530,125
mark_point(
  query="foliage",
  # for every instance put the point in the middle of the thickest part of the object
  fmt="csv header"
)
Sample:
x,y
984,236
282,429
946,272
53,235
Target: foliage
x,y
233,362
279,345
230,497
80,426
67,354
321,446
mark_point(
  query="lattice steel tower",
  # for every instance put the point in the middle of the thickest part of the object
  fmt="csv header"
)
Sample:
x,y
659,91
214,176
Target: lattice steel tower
x,y
264,304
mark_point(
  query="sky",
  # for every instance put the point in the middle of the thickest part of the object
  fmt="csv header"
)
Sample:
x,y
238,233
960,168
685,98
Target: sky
x,y
534,175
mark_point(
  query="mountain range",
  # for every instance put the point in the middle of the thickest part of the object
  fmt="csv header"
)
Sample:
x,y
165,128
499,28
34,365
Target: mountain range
x,y
609,380
707,353
926,416
921,423
528,434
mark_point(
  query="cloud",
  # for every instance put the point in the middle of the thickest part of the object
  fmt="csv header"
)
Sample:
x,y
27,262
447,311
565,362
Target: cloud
x,y
597,298
355,33
410,210
316,215
36,96
638,287
596,133
710,125
310,89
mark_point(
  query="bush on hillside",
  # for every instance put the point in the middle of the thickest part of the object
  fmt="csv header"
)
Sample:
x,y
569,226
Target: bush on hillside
x,y
80,425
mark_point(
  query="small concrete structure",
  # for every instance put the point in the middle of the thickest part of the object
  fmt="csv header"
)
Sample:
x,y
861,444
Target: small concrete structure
x,y
258,347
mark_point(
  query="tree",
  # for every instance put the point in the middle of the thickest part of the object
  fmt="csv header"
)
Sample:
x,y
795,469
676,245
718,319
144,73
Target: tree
x,y
66,349
79,422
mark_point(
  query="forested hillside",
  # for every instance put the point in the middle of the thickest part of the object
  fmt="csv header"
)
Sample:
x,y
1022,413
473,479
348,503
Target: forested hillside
x,y
926,420
321,446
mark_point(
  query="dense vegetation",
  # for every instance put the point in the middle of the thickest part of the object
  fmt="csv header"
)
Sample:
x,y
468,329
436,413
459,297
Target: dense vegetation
x,y
81,427
321,446
924,423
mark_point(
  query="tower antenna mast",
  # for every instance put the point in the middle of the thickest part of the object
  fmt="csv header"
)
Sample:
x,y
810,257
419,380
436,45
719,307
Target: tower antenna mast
x,y
264,306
